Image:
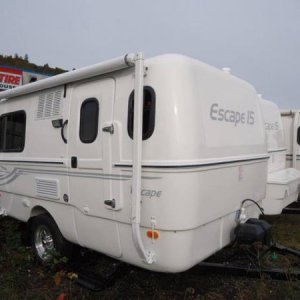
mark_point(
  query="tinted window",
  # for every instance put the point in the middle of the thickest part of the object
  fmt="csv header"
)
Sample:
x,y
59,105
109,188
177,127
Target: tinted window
x,y
12,131
89,115
148,113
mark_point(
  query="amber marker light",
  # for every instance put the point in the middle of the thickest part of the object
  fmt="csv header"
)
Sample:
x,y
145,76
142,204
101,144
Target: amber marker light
x,y
153,234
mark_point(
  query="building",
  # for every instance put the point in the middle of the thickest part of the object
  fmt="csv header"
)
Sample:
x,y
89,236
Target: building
x,y
11,77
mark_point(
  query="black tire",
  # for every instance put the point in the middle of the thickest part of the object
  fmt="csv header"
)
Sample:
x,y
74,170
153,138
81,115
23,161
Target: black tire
x,y
47,241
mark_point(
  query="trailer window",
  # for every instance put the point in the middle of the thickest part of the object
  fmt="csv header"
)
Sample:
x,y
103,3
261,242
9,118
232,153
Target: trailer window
x,y
89,115
12,131
148,113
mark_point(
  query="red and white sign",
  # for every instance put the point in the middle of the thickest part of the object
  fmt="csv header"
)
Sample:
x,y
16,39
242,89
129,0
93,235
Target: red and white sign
x,y
10,78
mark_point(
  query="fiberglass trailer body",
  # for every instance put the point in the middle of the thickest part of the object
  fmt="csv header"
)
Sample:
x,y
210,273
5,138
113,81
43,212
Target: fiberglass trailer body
x,y
162,198
291,127
283,183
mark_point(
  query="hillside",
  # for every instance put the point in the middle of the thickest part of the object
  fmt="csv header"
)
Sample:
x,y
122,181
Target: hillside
x,y
24,63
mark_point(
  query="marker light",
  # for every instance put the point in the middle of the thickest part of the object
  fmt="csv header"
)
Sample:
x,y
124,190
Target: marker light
x,y
153,234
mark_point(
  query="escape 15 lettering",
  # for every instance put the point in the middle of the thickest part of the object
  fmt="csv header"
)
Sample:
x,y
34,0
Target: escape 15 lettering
x,y
272,126
231,116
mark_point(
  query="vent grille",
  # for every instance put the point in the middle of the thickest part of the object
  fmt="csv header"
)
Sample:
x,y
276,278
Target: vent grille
x,y
49,105
47,188
41,104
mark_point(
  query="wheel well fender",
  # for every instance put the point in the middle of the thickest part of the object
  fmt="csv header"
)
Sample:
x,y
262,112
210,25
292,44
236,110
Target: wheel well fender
x,y
36,211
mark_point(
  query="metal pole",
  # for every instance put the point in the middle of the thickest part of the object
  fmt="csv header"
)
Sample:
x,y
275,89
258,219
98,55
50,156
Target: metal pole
x,y
137,159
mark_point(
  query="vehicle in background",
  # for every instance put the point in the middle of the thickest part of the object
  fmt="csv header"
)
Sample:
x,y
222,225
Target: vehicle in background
x,y
283,183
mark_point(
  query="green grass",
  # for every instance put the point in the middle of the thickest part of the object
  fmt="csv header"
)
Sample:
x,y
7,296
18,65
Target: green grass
x,y
286,229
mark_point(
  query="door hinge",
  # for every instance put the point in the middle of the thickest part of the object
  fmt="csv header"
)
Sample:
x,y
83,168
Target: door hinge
x,y
109,129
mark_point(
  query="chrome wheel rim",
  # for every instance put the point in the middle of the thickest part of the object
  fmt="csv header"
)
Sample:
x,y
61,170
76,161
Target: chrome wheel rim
x,y
43,242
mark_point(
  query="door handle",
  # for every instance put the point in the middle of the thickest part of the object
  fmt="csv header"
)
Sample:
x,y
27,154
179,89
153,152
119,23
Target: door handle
x,y
62,131
109,129
111,203
74,162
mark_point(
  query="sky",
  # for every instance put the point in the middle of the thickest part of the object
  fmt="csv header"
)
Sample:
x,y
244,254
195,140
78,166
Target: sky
x,y
258,39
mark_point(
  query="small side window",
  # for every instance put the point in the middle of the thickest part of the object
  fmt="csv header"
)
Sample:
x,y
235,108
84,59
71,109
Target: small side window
x,y
148,113
89,116
298,136
12,131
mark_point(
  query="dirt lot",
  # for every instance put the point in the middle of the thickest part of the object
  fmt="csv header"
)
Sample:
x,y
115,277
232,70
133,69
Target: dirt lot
x,y
22,278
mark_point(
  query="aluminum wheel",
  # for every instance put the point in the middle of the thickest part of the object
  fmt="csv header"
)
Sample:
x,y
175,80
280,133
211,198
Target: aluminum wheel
x,y
44,243
46,240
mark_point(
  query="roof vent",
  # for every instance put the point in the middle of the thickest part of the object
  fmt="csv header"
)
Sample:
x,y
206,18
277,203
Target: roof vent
x,y
226,70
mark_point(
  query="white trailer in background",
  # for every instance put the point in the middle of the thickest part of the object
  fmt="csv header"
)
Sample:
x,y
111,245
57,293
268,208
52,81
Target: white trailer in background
x,y
291,127
163,196
283,183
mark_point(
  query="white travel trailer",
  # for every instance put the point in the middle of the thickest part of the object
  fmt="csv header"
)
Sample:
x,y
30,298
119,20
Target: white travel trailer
x,y
291,127
163,195
283,183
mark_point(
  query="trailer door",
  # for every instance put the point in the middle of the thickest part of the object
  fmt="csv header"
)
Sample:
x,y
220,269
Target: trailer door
x,y
89,149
